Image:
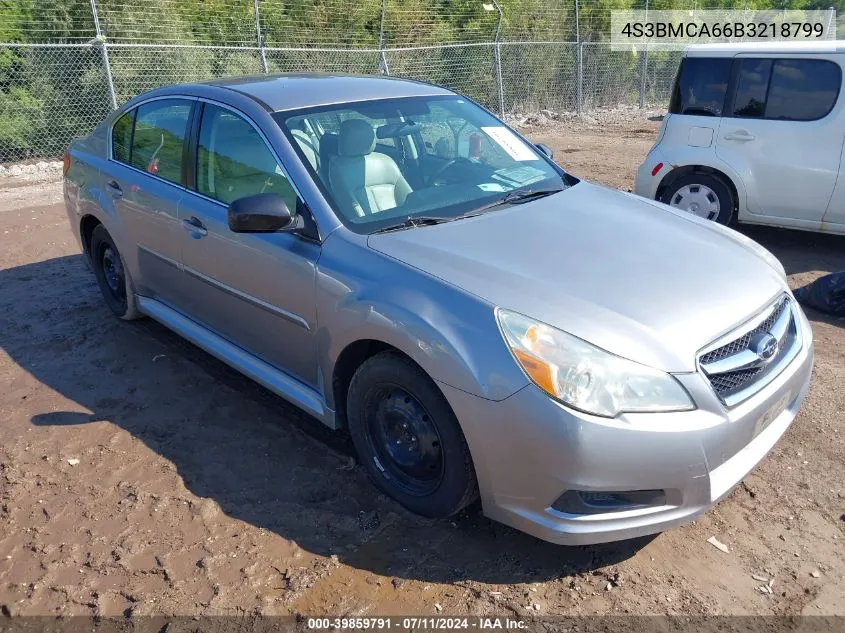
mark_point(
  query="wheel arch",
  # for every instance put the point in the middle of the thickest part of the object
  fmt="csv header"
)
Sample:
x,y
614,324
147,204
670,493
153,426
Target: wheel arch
x,y
459,353
684,170
348,361
87,224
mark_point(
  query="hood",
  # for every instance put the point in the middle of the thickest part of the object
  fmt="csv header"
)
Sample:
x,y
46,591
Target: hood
x,y
633,277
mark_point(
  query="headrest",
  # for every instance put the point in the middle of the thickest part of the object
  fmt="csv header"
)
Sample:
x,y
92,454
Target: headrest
x,y
357,138
328,144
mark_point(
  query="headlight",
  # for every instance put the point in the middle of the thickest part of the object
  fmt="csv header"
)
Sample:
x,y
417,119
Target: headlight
x,y
584,376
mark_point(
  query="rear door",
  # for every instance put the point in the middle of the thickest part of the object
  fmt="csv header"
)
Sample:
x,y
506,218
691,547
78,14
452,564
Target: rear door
x,y
146,181
256,290
781,132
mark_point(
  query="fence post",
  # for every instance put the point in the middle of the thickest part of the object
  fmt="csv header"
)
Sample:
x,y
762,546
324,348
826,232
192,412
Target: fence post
x,y
497,56
497,60
579,93
579,80
384,69
100,41
644,65
261,54
643,75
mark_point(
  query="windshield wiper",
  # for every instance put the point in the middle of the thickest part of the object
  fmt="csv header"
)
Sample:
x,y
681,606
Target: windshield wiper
x,y
411,222
514,197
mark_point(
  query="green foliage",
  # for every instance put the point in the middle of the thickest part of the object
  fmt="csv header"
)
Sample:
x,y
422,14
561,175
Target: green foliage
x,y
48,95
18,107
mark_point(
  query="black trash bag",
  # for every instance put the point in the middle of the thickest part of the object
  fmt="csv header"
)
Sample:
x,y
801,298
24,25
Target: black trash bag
x,y
826,294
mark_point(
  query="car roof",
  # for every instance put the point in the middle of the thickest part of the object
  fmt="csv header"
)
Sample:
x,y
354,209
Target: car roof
x,y
824,46
291,91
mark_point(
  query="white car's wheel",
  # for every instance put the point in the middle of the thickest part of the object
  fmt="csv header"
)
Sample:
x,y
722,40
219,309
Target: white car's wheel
x,y
703,195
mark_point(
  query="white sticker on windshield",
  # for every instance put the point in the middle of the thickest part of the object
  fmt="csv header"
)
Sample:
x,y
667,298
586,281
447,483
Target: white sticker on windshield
x,y
519,175
510,142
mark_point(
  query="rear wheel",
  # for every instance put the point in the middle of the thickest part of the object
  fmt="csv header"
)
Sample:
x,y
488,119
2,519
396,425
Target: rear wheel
x,y
704,195
407,437
112,275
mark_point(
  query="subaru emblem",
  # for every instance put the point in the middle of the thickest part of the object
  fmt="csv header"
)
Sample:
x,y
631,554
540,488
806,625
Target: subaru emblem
x,y
764,345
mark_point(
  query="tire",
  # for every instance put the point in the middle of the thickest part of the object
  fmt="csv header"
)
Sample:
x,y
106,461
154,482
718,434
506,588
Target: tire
x,y
112,275
704,195
425,465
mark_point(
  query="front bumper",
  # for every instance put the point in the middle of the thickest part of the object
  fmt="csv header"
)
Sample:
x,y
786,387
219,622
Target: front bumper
x,y
529,449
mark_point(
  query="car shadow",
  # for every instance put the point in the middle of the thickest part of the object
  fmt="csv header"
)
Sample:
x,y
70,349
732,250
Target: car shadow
x,y
260,459
800,251
803,252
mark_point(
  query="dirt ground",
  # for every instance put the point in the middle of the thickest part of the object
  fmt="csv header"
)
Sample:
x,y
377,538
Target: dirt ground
x,y
197,492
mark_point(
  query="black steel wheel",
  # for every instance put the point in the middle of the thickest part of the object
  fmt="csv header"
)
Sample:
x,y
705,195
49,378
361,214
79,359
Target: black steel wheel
x,y
408,438
403,439
111,273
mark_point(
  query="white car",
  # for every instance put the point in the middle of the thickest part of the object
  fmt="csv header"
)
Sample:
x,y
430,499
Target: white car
x,y
754,133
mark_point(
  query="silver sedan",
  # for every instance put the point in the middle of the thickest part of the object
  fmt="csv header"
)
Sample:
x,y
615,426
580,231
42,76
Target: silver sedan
x,y
399,263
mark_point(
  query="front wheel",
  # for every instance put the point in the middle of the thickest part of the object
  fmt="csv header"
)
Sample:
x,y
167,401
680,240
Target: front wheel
x,y
704,195
407,437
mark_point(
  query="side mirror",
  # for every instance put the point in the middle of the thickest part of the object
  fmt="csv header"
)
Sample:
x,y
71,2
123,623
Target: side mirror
x,y
261,213
546,150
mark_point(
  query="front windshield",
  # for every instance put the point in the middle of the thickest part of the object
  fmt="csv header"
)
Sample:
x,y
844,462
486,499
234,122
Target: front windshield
x,y
382,162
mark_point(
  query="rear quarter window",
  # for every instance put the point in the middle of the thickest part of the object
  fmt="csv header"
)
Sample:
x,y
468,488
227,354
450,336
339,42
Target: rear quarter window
x,y
121,137
701,86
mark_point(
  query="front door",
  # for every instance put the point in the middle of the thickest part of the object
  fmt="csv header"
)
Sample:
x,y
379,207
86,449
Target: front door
x,y
783,132
256,290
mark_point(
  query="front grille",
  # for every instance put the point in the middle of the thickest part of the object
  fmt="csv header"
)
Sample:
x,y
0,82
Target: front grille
x,y
727,382
743,341
736,370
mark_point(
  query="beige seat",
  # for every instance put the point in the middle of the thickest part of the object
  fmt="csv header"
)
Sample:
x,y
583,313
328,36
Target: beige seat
x,y
364,181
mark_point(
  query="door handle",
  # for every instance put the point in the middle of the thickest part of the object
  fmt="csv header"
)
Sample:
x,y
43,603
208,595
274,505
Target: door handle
x,y
194,226
739,135
116,190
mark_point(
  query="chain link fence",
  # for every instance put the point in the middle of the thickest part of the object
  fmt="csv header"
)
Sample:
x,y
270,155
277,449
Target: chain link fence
x,y
108,52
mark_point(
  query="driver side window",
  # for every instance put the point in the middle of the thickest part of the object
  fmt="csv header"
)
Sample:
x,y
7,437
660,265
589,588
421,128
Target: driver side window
x,y
233,161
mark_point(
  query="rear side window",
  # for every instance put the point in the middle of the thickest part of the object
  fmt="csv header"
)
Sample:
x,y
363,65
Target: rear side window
x,y
786,89
752,84
701,86
158,139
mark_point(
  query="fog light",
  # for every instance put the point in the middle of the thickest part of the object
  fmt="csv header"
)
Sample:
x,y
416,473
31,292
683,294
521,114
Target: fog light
x,y
591,502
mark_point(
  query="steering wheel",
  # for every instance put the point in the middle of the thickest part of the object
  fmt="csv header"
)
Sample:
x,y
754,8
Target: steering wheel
x,y
446,167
